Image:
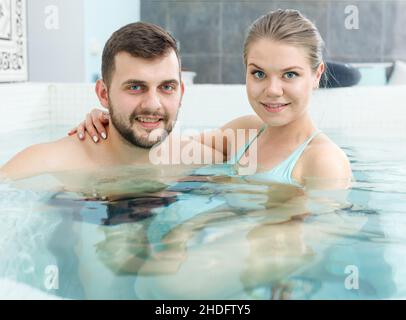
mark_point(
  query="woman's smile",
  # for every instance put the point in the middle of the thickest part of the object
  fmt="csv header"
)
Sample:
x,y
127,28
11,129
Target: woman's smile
x,y
275,107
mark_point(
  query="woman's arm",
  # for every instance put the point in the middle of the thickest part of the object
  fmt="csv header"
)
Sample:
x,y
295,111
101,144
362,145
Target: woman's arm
x,y
226,139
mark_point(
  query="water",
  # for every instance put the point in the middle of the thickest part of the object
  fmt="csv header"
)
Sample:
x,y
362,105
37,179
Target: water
x,y
160,238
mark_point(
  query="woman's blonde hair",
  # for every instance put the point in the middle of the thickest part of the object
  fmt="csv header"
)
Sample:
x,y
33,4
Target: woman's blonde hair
x,y
290,27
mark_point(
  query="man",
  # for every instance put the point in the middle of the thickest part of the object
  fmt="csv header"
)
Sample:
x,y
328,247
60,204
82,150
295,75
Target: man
x,y
141,88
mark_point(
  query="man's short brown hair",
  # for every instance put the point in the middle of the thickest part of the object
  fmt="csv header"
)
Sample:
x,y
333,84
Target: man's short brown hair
x,y
140,40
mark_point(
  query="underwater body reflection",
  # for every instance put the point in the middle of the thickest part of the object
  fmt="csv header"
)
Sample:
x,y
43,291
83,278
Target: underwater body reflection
x,y
140,234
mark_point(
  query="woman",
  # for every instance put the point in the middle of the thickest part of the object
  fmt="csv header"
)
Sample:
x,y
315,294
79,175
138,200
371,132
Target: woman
x,y
284,64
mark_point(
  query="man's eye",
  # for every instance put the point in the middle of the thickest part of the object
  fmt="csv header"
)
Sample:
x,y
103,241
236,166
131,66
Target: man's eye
x,y
259,74
168,87
135,87
290,75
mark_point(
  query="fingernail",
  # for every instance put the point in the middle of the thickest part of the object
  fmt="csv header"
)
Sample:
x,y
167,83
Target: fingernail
x,y
95,138
80,136
104,136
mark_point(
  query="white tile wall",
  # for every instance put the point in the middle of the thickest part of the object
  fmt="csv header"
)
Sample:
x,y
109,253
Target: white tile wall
x,y
33,113
69,103
354,110
361,110
368,111
23,106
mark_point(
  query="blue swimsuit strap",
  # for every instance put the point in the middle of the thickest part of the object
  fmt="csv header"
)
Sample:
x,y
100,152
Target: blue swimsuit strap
x,y
241,152
298,151
295,155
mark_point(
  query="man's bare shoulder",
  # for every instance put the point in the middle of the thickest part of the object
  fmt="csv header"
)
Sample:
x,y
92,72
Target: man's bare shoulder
x,y
69,153
63,154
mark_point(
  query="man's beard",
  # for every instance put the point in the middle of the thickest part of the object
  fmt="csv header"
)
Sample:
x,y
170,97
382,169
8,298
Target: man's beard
x,y
125,128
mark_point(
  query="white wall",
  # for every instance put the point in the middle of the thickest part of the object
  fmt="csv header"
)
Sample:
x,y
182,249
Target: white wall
x,y
353,110
55,55
61,34
102,18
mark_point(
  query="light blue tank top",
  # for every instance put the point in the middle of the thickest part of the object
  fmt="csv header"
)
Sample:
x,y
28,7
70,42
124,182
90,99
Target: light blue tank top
x,y
282,173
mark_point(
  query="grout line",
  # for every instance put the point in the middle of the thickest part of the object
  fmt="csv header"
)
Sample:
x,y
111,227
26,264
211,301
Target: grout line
x,y
383,29
220,75
328,40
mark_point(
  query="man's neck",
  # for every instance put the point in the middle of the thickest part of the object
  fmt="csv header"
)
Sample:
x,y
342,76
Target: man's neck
x,y
123,152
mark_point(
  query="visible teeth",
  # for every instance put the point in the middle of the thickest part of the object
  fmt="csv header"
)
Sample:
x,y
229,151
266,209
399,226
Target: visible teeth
x,y
148,120
276,106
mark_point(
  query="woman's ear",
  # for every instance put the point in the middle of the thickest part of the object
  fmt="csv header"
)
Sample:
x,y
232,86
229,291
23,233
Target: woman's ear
x,y
102,93
318,74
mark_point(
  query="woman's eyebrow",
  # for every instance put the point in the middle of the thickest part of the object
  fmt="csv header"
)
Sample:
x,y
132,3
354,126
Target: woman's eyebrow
x,y
254,65
283,70
293,67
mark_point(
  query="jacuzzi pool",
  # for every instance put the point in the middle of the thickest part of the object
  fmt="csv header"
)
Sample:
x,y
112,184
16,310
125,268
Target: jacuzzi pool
x,y
207,240
210,240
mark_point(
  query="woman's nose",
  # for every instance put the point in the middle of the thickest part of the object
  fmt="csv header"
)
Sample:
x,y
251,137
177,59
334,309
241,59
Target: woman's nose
x,y
274,88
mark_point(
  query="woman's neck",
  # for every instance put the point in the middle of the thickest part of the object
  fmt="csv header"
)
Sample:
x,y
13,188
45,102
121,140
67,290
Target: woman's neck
x,y
291,133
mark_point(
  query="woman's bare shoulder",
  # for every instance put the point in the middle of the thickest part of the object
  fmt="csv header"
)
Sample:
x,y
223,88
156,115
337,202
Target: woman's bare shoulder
x,y
324,159
321,144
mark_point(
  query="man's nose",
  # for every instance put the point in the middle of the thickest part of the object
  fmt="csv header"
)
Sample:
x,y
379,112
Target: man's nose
x,y
152,100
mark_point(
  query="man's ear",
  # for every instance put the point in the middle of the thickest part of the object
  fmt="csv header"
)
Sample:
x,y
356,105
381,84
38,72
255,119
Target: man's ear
x,y
182,87
182,91
102,93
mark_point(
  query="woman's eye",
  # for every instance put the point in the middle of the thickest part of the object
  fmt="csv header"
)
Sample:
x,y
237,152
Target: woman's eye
x,y
259,74
290,75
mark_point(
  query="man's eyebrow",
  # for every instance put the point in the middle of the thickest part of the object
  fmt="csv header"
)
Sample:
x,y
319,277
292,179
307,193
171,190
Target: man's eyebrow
x,y
141,82
171,81
133,81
